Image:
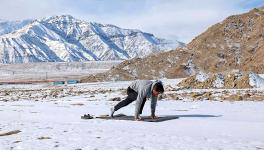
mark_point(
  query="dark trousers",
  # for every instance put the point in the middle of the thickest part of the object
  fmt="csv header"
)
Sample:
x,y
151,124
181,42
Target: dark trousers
x,y
132,96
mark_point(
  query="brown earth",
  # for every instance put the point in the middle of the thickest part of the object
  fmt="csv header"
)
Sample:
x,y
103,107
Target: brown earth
x,y
235,43
168,64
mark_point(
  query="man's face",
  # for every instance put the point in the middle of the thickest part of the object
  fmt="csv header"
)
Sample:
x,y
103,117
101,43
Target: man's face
x,y
155,93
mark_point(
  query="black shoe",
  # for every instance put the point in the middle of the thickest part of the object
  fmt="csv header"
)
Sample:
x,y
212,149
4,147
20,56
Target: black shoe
x,y
88,116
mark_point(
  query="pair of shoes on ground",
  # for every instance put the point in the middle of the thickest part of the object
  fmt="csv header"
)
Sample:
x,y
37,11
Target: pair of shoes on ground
x,y
86,116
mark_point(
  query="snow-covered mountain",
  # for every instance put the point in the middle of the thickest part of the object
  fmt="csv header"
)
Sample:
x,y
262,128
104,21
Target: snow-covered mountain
x,y
64,38
10,26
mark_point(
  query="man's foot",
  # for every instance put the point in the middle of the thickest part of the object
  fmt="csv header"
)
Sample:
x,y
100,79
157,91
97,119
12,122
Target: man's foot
x,y
112,111
138,118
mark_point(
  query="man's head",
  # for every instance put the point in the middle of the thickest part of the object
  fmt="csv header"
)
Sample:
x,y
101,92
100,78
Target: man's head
x,y
158,89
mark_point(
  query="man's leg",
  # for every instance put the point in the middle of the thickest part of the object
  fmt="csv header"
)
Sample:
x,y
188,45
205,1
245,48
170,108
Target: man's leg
x,y
142,105
132,96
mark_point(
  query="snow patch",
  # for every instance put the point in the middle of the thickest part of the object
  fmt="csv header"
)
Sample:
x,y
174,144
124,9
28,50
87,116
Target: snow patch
x,y
201,77
219,82
256,81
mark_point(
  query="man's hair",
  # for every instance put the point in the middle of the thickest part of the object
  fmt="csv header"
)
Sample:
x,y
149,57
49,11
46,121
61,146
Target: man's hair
x,y
159,87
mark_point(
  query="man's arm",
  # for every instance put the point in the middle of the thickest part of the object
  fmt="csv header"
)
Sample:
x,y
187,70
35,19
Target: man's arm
x,y
153,105
141,95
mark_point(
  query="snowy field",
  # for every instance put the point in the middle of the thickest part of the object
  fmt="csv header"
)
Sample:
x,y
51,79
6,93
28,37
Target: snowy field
x,y
53,70
55,123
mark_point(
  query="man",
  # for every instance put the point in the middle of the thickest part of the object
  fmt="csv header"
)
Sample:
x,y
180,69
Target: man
x,y
140,90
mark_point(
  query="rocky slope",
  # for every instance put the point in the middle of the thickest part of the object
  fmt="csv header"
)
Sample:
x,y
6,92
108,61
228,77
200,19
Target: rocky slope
x,y
237,43
232,80
175,63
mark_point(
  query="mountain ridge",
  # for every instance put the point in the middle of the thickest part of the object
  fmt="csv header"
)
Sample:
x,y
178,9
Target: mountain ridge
x,y
64,38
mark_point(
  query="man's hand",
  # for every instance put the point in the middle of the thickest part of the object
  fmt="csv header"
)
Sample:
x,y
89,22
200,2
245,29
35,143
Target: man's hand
x,y
154,117
138,118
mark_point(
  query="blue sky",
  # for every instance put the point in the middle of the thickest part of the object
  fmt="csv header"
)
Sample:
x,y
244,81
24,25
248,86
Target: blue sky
x,y
172,19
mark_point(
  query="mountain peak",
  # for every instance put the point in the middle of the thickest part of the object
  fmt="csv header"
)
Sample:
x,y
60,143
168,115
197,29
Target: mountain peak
x,y
65,38
60,18
64,17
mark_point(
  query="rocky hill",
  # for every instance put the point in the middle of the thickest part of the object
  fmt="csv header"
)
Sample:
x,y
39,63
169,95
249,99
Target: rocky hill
x,y
237,43
175,63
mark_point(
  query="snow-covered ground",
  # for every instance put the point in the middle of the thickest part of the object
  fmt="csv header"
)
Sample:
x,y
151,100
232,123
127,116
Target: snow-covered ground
x,y
57,123
53,70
